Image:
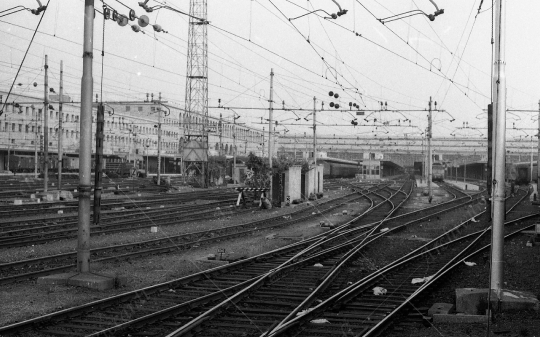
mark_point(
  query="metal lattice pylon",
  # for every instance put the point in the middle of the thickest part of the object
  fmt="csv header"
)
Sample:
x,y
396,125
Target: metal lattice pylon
x,y
196,147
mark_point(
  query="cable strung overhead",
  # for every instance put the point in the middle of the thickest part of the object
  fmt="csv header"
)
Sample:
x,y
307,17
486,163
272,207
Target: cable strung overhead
x,y
407,14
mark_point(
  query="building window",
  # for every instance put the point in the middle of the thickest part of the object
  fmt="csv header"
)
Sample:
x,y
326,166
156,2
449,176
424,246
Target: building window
x,y
153,108
12,126
128,108
139,108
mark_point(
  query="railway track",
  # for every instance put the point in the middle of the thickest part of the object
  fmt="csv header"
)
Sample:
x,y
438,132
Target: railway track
x,y
119,221
169,300
259,263
375,207
19,270
358,311
261,307
10,212
18,188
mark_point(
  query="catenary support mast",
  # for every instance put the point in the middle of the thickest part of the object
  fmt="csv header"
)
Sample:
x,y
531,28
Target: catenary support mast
x,y
499,101
85,146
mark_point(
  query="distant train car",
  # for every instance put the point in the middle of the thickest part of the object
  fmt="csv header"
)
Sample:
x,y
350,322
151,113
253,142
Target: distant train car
x,y
336,170
521,172
21,164
26,163
438,172
70,164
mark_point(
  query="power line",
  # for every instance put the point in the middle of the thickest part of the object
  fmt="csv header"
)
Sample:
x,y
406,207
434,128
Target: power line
x,y
24,57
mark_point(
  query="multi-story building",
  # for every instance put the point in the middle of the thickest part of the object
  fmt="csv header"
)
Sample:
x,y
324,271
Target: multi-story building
x,y
131,131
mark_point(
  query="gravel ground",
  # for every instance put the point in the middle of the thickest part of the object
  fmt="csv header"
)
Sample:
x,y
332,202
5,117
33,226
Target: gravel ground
x,y
521,272
26,299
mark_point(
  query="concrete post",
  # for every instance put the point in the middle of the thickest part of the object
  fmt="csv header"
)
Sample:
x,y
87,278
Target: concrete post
x,y
46,130
315,185
85,151
271,113
500,149
429,164
234,150
60,130
538,158
36,141
159,143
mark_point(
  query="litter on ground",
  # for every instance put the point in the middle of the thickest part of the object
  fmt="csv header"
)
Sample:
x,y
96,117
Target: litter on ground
x,y
421,279
379,291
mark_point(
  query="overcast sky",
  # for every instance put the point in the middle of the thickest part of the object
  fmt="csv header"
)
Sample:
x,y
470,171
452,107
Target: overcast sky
x,y
402,63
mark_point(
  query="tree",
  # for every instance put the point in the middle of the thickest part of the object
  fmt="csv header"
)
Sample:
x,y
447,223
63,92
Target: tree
x,y
259,172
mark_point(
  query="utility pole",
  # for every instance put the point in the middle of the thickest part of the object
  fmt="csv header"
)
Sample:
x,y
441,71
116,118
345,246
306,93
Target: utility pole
x,y
531,160
46,130
316,173
429,168
9,143
538,158
159,142
271,113
60,130
464,169
85,151
220,126
36,140
489,167
499,101
423,163
98,162
263,143
234,149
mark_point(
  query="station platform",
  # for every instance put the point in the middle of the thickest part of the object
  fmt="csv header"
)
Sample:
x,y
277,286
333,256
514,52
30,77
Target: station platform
x,y
467,186
423,183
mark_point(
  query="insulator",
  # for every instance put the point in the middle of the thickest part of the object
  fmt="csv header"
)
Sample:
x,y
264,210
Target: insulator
x,y
331,104
136,28
336,106
122,20
350,103
157,28
143,21
331,93
107,13
336,95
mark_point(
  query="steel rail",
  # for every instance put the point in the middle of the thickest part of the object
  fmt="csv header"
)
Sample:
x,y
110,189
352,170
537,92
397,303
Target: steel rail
x,y
448,267
167,285
168,217
277,273
257,225
359,286
336,268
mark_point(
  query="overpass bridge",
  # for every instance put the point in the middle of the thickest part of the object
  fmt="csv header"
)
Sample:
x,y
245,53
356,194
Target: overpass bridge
x,y
404,151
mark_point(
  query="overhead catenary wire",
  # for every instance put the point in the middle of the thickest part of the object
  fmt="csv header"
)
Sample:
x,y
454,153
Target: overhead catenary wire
x,y
24,57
